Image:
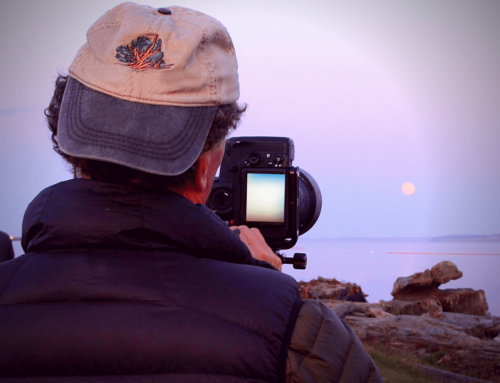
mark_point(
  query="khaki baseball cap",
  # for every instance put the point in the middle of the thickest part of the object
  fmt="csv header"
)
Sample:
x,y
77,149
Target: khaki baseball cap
x,y
144,89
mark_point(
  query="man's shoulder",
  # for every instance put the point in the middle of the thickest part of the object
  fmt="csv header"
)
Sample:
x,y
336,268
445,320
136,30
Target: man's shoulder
x,y
8,270
169,276
231,280
324,345
252,277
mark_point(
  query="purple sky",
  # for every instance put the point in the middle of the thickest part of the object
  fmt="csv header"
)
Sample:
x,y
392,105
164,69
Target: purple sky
x,y
374,94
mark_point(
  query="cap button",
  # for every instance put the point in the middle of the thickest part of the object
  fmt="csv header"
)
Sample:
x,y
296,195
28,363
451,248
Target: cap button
x,y
164,11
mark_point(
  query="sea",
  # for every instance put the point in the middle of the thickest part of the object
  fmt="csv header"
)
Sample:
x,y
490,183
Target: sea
x,y
375,263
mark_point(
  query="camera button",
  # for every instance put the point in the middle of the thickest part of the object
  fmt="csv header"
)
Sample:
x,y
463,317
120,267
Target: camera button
x,y
253,159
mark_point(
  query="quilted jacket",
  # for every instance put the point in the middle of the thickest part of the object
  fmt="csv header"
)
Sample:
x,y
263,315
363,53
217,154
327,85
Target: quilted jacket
x,y
122,284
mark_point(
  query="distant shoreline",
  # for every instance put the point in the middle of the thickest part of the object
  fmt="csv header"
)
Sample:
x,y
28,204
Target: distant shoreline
x,y
495,238
467,238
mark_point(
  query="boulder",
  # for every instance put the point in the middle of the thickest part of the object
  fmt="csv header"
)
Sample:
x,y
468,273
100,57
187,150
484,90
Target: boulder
x,y
429,279
419,294
466,342
425,336
370,310
434,309
423,320
324,288
465,301
478,326
445,271
415,282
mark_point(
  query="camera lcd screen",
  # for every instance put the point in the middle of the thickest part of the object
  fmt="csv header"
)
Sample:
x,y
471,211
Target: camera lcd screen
x,y
265,198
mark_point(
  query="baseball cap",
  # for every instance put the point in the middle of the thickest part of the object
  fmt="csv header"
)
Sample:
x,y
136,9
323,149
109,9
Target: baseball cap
x,y
144,89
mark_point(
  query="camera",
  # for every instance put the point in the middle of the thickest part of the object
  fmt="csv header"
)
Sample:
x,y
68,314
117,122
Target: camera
x,y
258,187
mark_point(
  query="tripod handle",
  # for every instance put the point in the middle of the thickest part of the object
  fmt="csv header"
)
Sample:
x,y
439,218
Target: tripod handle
x,y
299,261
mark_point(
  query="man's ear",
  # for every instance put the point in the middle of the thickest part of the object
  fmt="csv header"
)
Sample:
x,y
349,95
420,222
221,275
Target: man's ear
x,y
206,169
201,180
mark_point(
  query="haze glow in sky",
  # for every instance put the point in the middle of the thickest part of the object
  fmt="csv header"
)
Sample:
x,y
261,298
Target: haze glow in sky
x,y
374,95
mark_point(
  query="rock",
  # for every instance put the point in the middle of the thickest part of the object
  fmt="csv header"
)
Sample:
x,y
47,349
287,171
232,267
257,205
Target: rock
x,y
445,271
342,309
369,310
404,330
469,342
419,294
478,326
412,283
465,301
356,297
423,320
441,273
424,336
324,288
374,312
435,309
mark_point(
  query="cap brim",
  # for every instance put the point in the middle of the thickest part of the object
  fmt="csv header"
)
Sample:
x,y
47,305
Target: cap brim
x,y
165,140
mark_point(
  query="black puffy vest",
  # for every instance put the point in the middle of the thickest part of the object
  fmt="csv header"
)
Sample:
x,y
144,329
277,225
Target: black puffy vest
x,y
121,283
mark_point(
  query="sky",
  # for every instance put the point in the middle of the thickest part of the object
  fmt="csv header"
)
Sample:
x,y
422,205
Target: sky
x,y
374,94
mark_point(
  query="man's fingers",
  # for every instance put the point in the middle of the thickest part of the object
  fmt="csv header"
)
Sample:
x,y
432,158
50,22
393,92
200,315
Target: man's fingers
x,y
252,237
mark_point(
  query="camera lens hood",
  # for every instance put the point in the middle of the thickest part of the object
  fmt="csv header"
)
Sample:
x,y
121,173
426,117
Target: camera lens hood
x,y
310,201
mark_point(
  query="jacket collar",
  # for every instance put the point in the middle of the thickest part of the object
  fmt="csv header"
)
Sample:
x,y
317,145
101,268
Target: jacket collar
x,y
86,214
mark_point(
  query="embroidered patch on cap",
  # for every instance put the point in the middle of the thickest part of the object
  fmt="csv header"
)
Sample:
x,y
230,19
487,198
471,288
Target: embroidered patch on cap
x,y
143,54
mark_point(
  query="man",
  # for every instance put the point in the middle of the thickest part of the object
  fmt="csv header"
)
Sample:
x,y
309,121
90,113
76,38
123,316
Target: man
x,y
127,275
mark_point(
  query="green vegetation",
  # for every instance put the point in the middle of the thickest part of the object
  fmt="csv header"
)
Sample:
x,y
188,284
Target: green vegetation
x,y
393,369
394,365
433,358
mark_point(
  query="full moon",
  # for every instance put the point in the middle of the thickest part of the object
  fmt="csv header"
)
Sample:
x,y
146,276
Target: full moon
x,y
408,188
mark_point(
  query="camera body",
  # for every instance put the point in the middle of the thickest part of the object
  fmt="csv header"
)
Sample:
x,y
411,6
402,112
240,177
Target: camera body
x,y
258,187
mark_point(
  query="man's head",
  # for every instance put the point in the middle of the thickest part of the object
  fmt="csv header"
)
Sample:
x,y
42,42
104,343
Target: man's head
x,y
150,91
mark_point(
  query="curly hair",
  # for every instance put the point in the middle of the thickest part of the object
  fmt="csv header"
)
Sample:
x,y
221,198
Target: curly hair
x,y
227,118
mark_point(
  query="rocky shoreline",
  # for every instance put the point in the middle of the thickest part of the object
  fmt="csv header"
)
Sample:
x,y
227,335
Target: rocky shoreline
x,y
422,320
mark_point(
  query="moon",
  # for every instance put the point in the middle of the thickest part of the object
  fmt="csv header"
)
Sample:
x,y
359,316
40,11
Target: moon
x,y
408,188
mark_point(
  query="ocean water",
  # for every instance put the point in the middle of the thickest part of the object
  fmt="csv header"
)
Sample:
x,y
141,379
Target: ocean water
x,y
376,264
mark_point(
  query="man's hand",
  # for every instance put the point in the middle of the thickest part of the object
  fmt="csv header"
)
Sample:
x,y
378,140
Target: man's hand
x,y
257,245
